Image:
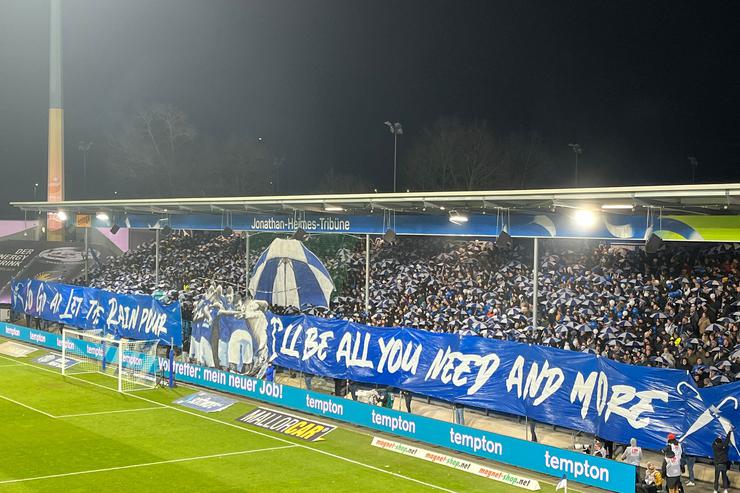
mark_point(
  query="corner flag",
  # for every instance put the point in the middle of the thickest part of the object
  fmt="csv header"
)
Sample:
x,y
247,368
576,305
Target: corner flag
x,y
563,483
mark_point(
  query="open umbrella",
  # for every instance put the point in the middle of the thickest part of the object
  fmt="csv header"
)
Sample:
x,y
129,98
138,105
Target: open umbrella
x,y
289,274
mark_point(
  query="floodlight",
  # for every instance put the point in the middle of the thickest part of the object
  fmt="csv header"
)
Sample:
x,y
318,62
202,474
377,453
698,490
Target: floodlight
x,y
585,218
458,217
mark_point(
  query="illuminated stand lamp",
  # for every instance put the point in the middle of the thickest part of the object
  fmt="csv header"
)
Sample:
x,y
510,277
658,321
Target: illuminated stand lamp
x,y
504,240
653,243
458,217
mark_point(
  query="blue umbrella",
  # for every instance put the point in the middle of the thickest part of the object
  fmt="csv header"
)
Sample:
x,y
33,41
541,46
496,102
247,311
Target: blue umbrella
x,y
289,274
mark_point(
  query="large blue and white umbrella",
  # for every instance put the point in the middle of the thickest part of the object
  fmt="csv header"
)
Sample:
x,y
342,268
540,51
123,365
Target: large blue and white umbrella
x,y
289,274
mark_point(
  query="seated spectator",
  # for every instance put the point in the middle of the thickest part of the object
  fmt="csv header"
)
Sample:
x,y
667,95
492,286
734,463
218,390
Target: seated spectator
x,y
652,482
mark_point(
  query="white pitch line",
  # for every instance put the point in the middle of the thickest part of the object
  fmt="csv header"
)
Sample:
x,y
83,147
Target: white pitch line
x,y
27,406
12,364
255,432
111,412
145,464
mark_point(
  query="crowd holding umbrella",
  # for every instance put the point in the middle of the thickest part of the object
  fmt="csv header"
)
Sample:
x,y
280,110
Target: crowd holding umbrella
x,y
679,308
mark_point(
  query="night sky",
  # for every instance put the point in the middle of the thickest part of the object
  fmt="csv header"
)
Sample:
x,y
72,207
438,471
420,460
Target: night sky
x,y
639,85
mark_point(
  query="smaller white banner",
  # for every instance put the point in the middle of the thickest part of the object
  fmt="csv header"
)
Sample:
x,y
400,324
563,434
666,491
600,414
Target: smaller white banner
x,y
457,463
16,350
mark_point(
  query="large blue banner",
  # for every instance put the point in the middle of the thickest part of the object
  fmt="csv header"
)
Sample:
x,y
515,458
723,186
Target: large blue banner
x,y
129,316
575,390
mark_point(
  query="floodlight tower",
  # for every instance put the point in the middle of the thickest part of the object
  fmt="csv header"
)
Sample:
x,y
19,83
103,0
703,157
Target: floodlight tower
x,y
84,148
694,164
55,190
577,150
396,129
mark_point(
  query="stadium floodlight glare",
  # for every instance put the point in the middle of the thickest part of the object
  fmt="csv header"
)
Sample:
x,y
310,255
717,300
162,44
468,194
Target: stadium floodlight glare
x,y
62,216
333,208
102,216
617,206
458,217
584,218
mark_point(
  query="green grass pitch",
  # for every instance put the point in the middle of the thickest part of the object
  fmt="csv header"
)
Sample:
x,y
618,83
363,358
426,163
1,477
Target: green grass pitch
x,y
78,435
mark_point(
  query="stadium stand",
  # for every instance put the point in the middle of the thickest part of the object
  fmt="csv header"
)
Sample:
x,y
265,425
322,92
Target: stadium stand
x,y
678,308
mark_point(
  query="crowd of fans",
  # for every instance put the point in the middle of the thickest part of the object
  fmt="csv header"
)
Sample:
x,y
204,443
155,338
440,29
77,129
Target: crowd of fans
x,y
679,308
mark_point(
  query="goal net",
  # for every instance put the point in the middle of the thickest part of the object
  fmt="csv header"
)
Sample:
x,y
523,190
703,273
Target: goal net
x,y
132,363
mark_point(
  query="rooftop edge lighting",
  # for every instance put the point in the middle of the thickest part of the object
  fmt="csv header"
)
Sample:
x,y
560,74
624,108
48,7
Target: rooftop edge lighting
x,y
62,216
617,207
458,218
333,208
102,216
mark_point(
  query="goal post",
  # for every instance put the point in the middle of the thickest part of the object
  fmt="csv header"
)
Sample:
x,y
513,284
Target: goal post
x,y
133,363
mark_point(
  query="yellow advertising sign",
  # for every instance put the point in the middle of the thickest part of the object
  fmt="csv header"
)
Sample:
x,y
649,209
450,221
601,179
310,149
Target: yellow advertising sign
x,y
83,220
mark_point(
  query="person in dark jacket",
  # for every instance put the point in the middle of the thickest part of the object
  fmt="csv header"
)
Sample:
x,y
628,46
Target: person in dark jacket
x,y
720,448
407,399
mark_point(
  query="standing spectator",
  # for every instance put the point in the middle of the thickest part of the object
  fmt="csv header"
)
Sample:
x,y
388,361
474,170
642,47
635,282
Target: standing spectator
x,y
406,395
721,460
672,470
633,455
609,447
353,389
675,445
308,379
704,322
270,373
459,413
387,398
689,461
533,430
599,449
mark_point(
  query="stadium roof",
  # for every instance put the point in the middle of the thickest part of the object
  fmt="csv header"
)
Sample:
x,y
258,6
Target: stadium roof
x,y
716,199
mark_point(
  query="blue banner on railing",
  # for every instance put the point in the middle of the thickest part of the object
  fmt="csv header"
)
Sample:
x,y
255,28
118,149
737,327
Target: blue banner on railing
x,y
575,390
130,316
